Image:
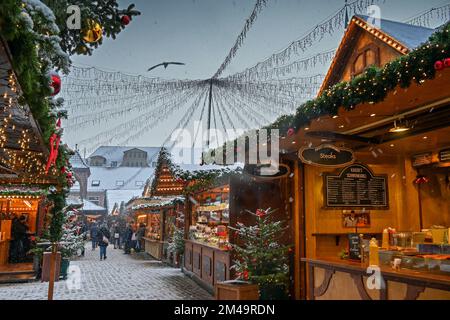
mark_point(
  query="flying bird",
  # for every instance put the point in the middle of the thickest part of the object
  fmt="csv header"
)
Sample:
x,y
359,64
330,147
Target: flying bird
x,y
165,64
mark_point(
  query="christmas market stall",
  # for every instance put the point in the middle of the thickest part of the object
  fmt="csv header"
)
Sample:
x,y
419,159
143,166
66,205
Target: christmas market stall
x,y
24,180
161,216
224,210
160,209
370,157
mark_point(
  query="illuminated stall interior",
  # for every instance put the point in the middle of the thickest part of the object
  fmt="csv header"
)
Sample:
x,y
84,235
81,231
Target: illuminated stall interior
x,y
23,180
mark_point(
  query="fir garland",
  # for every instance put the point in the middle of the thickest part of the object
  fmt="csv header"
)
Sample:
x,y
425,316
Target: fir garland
x,y
374,84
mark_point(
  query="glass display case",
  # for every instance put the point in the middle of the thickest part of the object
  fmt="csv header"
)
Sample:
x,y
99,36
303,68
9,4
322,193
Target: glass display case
x,y
210,220
154,226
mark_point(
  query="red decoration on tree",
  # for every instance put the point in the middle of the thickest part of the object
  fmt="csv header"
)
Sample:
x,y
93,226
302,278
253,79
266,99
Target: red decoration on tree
x,y
438,65
54,146
260,213
55,84
125,20
447,62
290,132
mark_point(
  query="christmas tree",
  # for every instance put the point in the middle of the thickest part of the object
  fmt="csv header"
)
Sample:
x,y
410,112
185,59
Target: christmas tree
x,y
176,245
260,257
105,14
72,239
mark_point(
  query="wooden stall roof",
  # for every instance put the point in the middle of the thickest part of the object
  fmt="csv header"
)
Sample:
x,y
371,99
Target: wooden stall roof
x,y
156,203
424,108
23,153
396,37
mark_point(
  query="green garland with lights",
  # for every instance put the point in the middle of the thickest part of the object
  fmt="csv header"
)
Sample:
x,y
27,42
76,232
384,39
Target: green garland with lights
x,y
25,190
374,84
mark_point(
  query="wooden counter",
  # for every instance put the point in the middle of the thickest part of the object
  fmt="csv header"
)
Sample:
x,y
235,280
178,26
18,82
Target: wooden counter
x,y
206,263
154,248
335,279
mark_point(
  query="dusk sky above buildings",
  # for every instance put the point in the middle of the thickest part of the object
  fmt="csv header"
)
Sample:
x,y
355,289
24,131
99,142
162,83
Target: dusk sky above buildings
x,y
201,32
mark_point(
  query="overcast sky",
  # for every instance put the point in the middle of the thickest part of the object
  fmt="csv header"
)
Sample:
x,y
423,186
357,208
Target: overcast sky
x,y
201,32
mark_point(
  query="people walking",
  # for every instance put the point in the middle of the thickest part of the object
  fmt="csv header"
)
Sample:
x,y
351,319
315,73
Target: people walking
x,y
103,241
94,234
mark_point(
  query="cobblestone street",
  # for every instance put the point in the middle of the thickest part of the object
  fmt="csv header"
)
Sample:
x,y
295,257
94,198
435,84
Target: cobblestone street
x,y
120,277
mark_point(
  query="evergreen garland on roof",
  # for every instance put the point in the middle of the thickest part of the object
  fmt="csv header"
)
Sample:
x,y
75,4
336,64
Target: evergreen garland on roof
x,y
374,84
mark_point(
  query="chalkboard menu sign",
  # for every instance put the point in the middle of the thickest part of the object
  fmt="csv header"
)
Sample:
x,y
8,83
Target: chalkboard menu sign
x,y
444,155
354,246
356,186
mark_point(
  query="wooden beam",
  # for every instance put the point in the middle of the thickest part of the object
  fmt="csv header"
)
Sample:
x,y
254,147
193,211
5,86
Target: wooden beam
x,y
329,135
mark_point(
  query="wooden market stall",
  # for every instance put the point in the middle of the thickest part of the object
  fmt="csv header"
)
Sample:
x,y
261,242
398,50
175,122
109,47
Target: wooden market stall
x,y
370,168
215,208
23,180
160,215
160,209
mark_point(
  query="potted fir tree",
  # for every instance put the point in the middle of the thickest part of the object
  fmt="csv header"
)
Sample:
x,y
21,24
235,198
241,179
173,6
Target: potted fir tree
x,y
176,246
71,242
261,258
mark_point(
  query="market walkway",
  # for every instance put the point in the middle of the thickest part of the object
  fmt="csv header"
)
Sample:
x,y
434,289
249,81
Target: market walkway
x,y
120,277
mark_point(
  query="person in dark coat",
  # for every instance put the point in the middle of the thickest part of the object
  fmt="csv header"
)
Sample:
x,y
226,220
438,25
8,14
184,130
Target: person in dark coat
x,y
127,238
94,234
102,240
19,237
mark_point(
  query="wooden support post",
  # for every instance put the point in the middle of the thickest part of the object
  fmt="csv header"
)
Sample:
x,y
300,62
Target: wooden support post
x,y
51,282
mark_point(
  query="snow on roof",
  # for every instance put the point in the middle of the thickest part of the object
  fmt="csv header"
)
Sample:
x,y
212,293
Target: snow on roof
x,y
118,178
208,167
156,202
115,153
77,161
118,196
410,35
87,205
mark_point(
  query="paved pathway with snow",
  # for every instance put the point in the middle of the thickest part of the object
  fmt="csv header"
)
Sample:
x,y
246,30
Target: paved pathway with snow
x,y
120,277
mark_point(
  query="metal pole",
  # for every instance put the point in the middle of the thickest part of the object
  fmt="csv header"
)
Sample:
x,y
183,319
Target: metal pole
x,y
209,110
51,282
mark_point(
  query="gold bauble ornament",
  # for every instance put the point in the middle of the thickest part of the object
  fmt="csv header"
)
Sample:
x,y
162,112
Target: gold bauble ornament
x,y
94,32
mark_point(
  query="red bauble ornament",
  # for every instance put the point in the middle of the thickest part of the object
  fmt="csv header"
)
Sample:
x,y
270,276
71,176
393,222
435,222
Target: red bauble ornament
x,y
125,20
260,213
63,169
438,65
55,84
447,62
290,132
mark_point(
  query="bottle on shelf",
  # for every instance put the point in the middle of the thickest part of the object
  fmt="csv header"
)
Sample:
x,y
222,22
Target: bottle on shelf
x,y
374,259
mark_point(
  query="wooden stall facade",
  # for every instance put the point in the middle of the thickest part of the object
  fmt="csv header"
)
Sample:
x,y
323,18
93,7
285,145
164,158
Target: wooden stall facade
x,y
371,132
207,256
23,180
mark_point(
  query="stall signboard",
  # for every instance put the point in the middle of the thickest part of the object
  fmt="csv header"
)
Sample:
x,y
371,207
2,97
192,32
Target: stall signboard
x,y
354,246
356,186
267,171
327,156
422,159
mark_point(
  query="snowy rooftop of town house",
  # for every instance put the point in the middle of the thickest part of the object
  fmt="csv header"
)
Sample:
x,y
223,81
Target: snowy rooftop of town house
x,y
410,35
77,161
87,205
120,178
115,153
